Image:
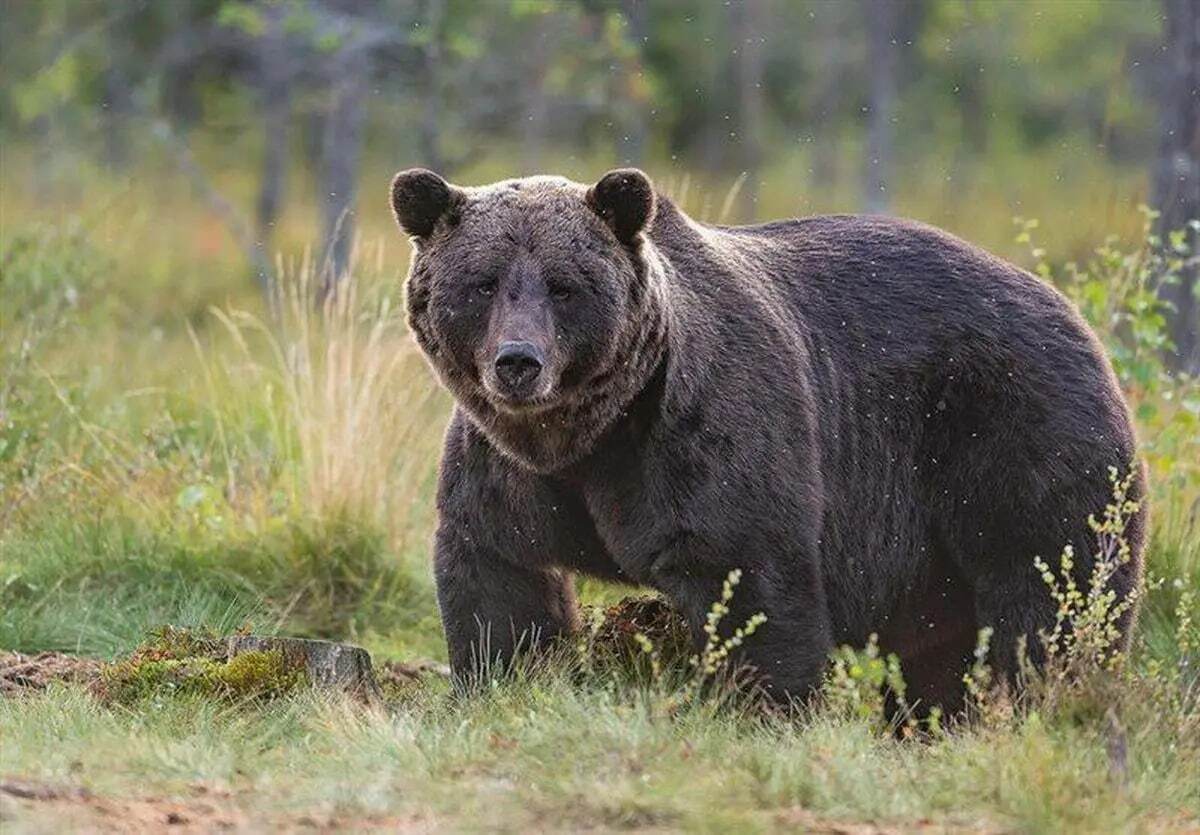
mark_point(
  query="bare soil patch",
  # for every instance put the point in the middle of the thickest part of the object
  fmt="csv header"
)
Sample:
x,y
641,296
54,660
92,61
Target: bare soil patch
x,y
20,673
44,807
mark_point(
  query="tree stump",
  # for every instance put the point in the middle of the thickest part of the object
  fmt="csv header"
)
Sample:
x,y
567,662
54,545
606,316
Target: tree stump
x,y
328,665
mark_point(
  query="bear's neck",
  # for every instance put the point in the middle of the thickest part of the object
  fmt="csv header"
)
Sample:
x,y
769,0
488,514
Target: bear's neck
x,y
553,440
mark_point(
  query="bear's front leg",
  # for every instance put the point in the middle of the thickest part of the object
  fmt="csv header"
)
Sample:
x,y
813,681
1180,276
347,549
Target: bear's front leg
x,y
493,609
787,654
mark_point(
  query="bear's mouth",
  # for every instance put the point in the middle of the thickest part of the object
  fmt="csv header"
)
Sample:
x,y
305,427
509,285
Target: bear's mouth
x,y
517,404
533,396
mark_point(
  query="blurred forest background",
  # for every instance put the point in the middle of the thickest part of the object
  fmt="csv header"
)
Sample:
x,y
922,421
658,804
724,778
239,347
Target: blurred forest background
x,y
179,177
276,124
186,438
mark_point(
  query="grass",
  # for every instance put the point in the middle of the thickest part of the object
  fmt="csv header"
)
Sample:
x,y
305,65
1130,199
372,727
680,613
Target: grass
x,y
171,451
547,752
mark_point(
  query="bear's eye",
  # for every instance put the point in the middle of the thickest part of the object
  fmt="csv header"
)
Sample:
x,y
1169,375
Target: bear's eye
x,y
486,289
559,292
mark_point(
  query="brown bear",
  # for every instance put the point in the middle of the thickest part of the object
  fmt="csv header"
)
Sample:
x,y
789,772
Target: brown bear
x,y
878,423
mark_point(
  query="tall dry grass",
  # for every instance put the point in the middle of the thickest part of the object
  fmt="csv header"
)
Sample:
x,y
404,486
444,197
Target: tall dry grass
x,y
353,416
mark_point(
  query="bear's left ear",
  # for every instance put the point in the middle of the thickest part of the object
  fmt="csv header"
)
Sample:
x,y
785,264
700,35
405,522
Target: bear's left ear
x,y
624,198
420,199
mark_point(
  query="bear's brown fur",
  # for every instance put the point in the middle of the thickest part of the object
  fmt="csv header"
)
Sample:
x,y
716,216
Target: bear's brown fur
x,y
878,423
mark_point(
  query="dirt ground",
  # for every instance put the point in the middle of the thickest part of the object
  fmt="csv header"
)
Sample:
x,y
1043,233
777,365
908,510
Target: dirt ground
x,y
39,807
34,807
29,806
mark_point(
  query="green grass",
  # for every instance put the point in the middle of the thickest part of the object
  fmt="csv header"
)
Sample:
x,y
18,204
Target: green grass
x,y
547,752
167,456
97,586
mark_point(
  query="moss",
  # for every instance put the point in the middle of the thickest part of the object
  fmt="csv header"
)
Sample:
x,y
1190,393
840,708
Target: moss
x,y
135,679
180,662
256,675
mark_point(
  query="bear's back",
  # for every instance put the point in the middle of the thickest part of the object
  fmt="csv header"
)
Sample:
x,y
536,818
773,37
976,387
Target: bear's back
x,y
882,293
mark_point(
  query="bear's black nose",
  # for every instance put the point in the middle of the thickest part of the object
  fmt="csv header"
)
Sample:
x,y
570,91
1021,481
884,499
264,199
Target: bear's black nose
x,y
518,364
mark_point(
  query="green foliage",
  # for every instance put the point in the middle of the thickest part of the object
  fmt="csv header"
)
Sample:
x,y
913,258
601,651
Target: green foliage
x,y
970,60
97,584
627,77
978,679
1119,292
715,654
189,506
1086,625
242,15
859,684
451,763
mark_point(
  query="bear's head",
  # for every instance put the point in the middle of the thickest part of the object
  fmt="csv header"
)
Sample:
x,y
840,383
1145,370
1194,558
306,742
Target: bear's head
x,y
540,303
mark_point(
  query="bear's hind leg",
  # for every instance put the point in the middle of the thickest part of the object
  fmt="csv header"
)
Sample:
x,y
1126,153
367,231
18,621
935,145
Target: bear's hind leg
x,y
998,547
933,631
1018,611
995,547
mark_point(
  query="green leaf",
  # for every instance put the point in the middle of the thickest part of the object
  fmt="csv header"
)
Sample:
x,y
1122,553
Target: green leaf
x,y
244,16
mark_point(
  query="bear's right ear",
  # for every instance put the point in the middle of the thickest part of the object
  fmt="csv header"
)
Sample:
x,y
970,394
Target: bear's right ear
x,y
419,200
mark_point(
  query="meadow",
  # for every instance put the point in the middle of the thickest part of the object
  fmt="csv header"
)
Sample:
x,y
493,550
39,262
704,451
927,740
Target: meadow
x,y
176,448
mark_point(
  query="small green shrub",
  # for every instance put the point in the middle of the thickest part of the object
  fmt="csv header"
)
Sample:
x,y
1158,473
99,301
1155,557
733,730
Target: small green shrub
x,y
860,683
714,657
1086,624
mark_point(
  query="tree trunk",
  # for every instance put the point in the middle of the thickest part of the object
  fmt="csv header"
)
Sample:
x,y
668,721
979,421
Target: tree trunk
x,y
429,135
749,28
632,145
217,202
117,110
825,120
883,60
1177,168
340,152
328,665
275,89
537,106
